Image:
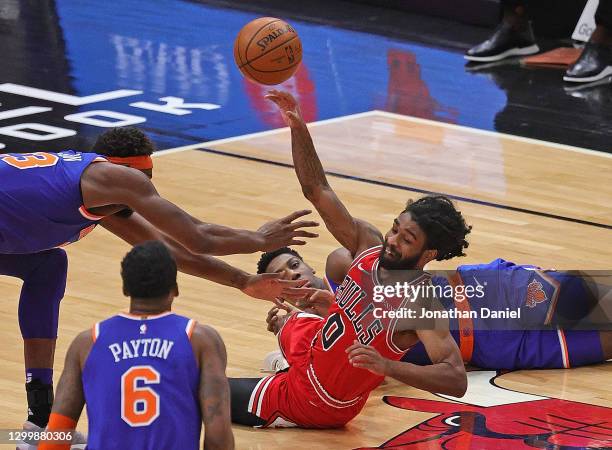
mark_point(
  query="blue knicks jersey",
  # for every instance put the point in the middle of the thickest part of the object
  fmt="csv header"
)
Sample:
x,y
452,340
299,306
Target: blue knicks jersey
x,y
141,382
41,206
531,341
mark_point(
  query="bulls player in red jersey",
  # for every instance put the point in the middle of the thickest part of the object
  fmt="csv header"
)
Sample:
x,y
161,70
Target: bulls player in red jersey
x,y
334,363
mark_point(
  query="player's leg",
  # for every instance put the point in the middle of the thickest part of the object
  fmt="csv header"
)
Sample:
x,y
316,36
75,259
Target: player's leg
x,y
605,337
243,392
44,282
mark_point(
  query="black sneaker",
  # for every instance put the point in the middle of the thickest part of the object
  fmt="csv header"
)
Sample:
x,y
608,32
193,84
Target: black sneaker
x,y
594,64
504,42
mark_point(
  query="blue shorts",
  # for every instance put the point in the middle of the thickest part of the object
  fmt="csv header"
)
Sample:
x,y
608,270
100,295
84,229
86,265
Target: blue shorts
x,y
531,349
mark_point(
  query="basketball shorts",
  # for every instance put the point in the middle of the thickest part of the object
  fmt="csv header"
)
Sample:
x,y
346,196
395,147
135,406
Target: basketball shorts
x,y
289,398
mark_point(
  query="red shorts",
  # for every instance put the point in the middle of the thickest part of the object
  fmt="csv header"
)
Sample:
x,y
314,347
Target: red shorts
x,y
294,398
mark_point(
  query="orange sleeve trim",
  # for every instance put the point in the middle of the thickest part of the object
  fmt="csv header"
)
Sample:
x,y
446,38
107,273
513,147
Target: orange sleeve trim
x,y
95,331
190,326
58,422
466,326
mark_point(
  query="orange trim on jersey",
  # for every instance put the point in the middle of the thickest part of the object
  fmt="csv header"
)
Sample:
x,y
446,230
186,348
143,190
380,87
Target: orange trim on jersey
x,y
89,215
58,422
564,352
555,296
466,325
95,332
190,327
141,162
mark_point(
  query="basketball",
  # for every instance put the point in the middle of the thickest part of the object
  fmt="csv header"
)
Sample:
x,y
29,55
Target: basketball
x,y
268,51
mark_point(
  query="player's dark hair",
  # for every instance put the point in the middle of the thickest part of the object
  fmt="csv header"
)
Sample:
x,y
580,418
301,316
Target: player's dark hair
x,y
442,223
262,264
148,271
122,142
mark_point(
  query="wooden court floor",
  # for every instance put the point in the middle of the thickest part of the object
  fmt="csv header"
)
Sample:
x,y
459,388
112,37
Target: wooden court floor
x,y
246,191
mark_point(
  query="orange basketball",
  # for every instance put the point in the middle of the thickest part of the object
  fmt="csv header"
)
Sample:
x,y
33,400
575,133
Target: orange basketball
x,y
268,50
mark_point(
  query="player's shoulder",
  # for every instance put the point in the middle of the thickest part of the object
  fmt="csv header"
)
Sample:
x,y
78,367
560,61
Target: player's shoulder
x,y
205,333
206,340
81,345
369,235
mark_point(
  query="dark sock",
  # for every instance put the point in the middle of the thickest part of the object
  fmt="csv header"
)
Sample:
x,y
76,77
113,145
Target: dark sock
x,y
44,375
40,400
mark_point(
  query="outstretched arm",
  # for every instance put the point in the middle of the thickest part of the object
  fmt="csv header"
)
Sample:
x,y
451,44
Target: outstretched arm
x,y
446,374
135,229
214,389
354,234
105,184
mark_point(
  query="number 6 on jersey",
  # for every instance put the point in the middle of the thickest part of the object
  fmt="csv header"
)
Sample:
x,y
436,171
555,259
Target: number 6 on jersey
x,y
139,405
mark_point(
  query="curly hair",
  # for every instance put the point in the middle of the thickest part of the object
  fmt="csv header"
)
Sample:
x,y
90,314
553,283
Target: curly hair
x,y
148,271
122,142
267,257
442,223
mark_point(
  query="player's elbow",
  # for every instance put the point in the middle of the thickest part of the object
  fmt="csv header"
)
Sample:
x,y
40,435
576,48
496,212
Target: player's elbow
x,y
314,192
221,439
459,385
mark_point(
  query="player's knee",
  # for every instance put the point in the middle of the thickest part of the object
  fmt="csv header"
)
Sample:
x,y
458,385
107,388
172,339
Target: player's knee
x,y
42,291
55,263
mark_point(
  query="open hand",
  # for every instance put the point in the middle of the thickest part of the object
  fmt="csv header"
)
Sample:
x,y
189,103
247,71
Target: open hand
x,y
367,357
274,320
283,232
269,286
287,106
310,300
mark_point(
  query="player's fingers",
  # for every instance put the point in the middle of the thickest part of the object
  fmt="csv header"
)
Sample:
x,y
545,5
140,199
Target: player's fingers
x,y
285,307
297,242
272,313
288,284
296,215
272,277
305,234
300,290
303,224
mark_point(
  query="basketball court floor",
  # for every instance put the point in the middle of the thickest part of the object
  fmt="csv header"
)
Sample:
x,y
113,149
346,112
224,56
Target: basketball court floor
x,y
529,201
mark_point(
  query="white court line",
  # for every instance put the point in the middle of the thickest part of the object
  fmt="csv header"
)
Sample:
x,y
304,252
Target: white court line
x,y
377,112
495,134
261,133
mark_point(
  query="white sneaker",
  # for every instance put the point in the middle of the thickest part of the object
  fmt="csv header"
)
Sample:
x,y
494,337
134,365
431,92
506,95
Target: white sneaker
x,y
79,440
274,362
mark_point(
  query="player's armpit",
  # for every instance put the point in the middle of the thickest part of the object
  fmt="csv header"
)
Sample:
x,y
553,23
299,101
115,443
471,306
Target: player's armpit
x,y
214,390
337,264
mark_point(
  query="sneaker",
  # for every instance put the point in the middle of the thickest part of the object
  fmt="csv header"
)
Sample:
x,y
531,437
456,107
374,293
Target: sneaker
x,y
595,63
504,42
79,440
274,362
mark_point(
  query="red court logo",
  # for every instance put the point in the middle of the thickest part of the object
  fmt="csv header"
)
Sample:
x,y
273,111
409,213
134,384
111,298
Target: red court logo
x,y
535,294
542,423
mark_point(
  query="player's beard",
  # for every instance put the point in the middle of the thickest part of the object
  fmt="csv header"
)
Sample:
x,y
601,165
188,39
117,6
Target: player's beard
x,y
397,264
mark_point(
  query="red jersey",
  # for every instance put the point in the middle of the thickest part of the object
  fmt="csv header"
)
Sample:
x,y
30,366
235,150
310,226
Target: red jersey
x,y
356,316
321,389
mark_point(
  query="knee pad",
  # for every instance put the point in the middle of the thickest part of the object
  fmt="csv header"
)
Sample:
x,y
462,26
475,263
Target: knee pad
x,y
44,284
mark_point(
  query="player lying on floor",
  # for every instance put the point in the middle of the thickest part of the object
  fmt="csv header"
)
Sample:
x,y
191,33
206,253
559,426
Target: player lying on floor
x,y
150,377
336,362
508,285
